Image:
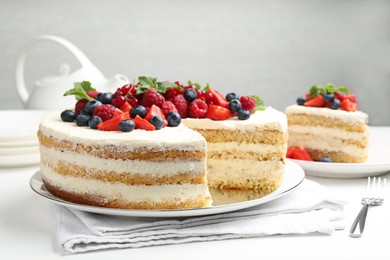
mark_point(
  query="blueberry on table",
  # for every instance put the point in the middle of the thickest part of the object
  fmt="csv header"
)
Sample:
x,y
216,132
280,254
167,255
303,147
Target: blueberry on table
x,y
230,96
326,159
243,114
173,118
126,125
68,116
190,94
138,110
235,105
301,101
94,121
82,119
157,121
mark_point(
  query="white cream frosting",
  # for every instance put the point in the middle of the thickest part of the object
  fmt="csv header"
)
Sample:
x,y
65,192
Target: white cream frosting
x,y
269,118
130,193
244,147
54,156
352,117
179,137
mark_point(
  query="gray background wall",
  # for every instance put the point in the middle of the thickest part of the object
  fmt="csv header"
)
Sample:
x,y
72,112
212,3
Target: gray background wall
x,y
275,49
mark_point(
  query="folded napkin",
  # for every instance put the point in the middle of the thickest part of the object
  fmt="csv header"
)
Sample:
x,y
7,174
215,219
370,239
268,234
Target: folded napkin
x,y
307,209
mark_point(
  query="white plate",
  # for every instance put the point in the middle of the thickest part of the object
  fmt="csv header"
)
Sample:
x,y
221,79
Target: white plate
x,y
20,160
378,161
18,150
293,176
20,125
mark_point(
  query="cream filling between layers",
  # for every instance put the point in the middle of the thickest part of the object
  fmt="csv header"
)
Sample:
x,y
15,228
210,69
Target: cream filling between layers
x,y
112,191
326,132
54,156
235,168
245,147
322,143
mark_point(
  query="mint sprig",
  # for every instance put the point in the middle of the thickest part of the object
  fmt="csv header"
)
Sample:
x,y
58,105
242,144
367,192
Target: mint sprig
x,y
327,88
149,82
259,103
80,90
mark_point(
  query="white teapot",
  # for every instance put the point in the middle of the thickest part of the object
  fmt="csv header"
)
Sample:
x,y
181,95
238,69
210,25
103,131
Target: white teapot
x,y
47,94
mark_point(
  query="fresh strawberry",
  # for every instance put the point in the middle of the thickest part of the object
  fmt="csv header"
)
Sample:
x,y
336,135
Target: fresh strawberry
x,y
167,107
80,105
197,109
181,105
141,123
117,112
218,99
105,111
351,97
215,112
93,93
118,101
152,97
126,107
248,102
298,153
156,111
307,95
348,105
317,101
113,123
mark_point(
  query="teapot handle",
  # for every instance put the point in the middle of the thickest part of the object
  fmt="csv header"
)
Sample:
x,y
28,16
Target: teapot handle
x,y
20,62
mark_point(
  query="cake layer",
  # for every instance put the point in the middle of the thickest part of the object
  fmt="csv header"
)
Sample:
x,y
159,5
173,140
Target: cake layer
x,y
337,156
97,193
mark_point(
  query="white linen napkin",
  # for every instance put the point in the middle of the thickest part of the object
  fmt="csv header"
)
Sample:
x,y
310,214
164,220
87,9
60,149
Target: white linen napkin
x,y
307,209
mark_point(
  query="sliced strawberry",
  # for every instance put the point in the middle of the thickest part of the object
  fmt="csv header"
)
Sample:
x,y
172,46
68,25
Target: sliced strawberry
x,y
351,97
348,105
126,107
317,101
218,98
290,152
113,123
339,96
215,112
156,111
298,153
307,95
142,123
117,112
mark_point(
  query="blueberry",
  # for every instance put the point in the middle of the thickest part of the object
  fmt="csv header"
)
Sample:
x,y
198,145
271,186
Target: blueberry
x,y
173,118
68,116
91,105
301,101
326,159
138,110
105,98
126,125
335,104
82,119
243,114
328,97
94,121
230,96
190,94
235,105
157,121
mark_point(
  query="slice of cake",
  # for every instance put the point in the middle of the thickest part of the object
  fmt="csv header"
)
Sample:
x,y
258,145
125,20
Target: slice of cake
x,y
327,124
163,169
245,154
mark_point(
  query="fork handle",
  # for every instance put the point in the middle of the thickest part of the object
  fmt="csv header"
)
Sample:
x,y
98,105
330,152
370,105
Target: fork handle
x,y
361,221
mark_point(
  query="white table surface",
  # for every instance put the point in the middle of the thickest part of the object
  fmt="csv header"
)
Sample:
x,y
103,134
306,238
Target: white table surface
x,y
28,230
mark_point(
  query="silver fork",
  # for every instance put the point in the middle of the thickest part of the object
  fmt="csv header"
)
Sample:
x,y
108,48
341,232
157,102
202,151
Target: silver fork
x,y
373,196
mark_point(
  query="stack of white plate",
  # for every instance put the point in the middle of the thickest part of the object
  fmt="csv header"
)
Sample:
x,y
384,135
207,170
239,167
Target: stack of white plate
x,y
18,137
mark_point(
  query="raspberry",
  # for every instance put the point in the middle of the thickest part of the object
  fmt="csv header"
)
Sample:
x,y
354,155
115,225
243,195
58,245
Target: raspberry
x,y
171,93
105,111
181,105
167,107
80,105
248,103
197,109
152,97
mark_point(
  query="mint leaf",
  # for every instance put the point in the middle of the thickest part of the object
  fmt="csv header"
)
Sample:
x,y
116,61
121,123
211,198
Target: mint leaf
x,y
142,88
329,88
80,90
152,82
259,103
206,88
196,84
342,89
315,91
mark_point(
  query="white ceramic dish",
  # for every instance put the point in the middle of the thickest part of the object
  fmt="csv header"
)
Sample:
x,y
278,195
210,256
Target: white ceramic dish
x,y
20,125
293,176
378,161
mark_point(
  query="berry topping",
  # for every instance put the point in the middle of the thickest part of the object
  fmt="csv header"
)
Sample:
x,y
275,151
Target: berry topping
x,y
317,101
126,107
80,105
138,110
173,118
235,105
197,109
348,105
171,93
82,119
113,123
243,114
167,107
118,101
126,125
215,112
218,99
91,105
181,105
68,116
249,103
105,98
105,112
328,97
94,121
152,97
156,111
301,100
326,159
157,121
335,104
93,94
298,153
190,94
230,96
141,123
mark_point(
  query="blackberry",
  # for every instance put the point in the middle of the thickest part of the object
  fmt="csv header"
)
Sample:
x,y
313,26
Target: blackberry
x,y
68,116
